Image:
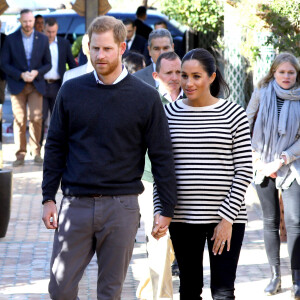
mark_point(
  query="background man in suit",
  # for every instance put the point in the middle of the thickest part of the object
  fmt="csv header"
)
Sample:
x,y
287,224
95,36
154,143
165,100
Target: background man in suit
x,y
159,41
167,74
134,42
61,55
142,28
2,74
25,58
86,68
160,253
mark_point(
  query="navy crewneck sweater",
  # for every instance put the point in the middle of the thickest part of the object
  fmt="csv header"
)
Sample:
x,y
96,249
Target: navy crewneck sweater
x,y
98,137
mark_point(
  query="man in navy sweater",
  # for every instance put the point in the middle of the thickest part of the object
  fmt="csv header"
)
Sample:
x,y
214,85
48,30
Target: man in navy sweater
x,y
102,124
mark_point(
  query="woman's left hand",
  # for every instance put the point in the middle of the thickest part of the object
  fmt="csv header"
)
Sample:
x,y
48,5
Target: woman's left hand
x,y
222,234
272,167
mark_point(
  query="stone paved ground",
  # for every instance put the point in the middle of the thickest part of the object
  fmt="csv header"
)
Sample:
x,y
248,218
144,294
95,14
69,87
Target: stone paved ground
x,y
26,249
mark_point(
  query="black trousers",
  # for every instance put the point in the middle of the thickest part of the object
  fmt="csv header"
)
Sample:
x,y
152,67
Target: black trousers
x,y
188,242
268,196
48,102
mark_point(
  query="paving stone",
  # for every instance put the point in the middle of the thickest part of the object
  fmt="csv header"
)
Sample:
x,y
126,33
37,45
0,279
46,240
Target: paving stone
x,y
25,252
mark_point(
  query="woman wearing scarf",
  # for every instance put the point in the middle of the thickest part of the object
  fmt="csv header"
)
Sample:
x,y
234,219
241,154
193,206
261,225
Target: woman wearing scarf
x,y
276,155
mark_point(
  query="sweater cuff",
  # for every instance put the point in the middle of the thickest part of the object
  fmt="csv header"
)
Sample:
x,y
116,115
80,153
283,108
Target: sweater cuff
x,y
288,157
48,197
167,211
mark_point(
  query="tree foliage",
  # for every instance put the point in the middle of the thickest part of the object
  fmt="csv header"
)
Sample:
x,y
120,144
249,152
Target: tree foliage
x,y
280,19
283,18
200,15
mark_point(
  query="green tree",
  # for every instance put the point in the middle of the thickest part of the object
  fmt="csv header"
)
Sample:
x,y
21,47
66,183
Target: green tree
x,y
280,19
283,18
200,15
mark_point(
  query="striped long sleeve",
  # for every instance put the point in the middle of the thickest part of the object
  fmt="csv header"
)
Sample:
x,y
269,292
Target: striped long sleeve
x,y
213,162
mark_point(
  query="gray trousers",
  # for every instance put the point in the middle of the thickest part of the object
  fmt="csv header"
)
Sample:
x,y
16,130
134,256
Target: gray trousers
x,y
106,225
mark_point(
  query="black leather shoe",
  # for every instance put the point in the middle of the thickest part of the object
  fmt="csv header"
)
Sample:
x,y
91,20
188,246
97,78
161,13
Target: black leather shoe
x,y
274,285
296,284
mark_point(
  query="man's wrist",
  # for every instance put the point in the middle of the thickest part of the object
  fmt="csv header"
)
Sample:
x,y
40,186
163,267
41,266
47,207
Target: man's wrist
x,y
48,200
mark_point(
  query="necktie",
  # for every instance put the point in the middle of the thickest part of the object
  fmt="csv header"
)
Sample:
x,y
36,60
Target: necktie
x,y
127,41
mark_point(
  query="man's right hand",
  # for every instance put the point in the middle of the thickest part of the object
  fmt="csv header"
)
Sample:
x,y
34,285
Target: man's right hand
x,y
50,215
160,226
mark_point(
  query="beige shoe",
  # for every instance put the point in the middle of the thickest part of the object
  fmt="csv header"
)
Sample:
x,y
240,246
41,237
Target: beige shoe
x,y
38,160
18,163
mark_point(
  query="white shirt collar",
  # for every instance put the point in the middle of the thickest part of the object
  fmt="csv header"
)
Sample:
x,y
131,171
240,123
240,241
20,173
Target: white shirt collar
x,y
129,44
165,94
55,40
121,76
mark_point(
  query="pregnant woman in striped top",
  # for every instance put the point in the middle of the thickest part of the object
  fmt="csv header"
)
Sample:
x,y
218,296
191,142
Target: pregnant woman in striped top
x,y
213,164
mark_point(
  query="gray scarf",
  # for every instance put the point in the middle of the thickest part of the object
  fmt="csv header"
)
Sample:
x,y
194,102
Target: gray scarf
x,y
270,135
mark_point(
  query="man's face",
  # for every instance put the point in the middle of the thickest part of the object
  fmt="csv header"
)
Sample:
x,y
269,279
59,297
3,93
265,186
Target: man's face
x,y
106,53
169,75
159,46
39,24
27,22
130,31
51,32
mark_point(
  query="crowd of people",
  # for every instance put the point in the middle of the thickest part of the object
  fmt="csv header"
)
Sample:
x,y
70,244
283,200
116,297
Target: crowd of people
x,y
136,129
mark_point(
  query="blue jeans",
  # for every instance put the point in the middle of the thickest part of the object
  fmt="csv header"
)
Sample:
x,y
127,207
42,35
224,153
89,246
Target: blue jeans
x,y
268,196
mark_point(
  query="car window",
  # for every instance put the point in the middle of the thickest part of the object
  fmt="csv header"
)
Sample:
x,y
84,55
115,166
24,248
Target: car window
x,y
77,25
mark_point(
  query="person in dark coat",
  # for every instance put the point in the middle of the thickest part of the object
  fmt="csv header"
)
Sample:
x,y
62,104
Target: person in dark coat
x,y
142,28
2,74
25,58
61,55
134,42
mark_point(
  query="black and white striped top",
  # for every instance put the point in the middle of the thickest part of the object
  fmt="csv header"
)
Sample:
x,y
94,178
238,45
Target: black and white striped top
x,y
213,162
280,103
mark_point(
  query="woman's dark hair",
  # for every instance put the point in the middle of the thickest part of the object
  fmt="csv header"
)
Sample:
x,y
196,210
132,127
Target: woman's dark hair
x,y
208,62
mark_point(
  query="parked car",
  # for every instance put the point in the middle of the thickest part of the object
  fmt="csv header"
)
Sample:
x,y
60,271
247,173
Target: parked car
x,y
71,25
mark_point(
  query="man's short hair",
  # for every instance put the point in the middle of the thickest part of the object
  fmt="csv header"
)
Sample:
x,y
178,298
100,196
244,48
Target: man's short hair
x,y
159,33
141,11
128,22
107,23
168,56
161,22
25,11
134,61
50,21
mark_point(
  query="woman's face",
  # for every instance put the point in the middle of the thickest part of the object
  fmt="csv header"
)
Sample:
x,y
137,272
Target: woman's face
x,y
286,75
195,81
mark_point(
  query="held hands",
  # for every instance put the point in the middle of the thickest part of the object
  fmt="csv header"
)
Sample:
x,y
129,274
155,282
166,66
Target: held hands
x,y
160,226
222,234
50,215
29,76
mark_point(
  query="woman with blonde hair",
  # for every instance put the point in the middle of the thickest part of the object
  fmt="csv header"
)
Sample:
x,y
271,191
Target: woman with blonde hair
x,y
274,118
